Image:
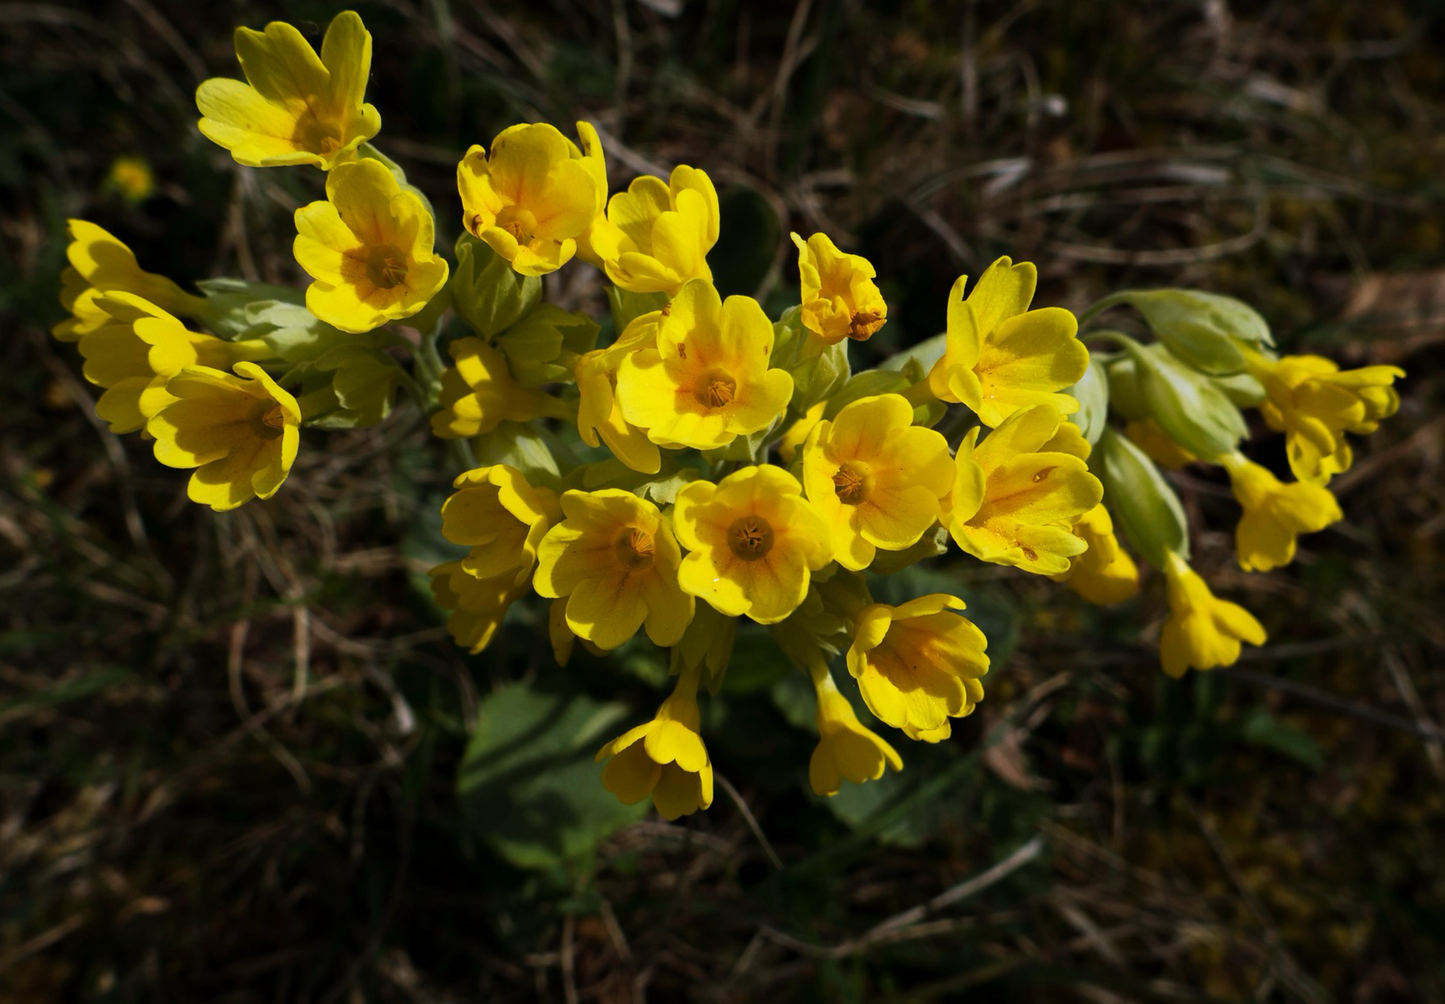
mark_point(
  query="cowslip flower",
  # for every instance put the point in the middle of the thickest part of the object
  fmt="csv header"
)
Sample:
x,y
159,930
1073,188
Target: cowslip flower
x,y
240,430
655,237
599,415
707,381
139,349
294,107
370,248
875,477
1015,502
478,393
1104,574
100,264
476,606
502,517
1275,514
846,748
1202,631
533,194
754,543
1000,355
615,560
664,758
1314,403
919,664
840,299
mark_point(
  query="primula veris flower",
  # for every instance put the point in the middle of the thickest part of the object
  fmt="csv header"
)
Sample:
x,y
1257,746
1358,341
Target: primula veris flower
x,y
240,430
370,248
875,477
1154,441
1314,403
1202,632
477,606
918,664
295,107
615,559
599,414
1104,574
754,543
478,393
133,178
655,236
502,517
840,299
1014,502
708,380
533,194
101,264
1000,355
1275,514
664,758
846,748
139,349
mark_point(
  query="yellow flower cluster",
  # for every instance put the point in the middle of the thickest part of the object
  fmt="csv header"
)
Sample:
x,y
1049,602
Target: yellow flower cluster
x,y
708,463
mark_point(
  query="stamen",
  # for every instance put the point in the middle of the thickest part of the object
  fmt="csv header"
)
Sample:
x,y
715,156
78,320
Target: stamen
x,y
849,485
750,537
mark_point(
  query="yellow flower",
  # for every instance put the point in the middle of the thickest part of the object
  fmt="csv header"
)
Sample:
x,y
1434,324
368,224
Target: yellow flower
x,y
240,430
598,412
1155,442
1275,514
133,178
502,517
101,264
478,393
1104,574
1314,403
875,477
1014,502
1202,631
477,605
1001,356
754,543
797,434
369,247
655,237
664,758
840,299
918,665
615,559
846,748
295,108
534,194
708,381
139,349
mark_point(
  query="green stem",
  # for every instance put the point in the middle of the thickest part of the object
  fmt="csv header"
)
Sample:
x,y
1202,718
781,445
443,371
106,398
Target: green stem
x,y
1098,307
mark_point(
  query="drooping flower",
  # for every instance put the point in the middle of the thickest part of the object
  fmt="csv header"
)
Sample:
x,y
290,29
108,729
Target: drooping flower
x,y
533,194
664,758
599,415
295,107
708,380
370,248
846,748
1104,574
754,543
478,393
477,606
655,237
840,299
615,560
101,264
1202,631
919,664
240,430
1013,503
502,517
1275,514
1001,356
1314,403
875,477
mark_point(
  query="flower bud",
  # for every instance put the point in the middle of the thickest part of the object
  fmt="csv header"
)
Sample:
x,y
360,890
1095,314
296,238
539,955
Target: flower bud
x,y
1142,502
486,292
1186,403
544,346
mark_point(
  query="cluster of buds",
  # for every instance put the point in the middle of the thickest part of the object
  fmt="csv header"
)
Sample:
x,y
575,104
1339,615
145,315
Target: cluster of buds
x,y
703,462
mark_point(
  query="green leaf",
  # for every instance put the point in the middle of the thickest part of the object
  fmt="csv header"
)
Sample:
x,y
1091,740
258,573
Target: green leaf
x,y
747,242
529,785
1267,732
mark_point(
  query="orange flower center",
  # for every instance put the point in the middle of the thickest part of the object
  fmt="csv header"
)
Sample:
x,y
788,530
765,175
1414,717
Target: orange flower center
x,y
750,537
716,389
386,266
850,483
267,419
864,323
635,547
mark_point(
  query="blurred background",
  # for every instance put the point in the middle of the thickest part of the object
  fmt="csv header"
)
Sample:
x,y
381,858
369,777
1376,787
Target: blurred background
x,y
234,760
